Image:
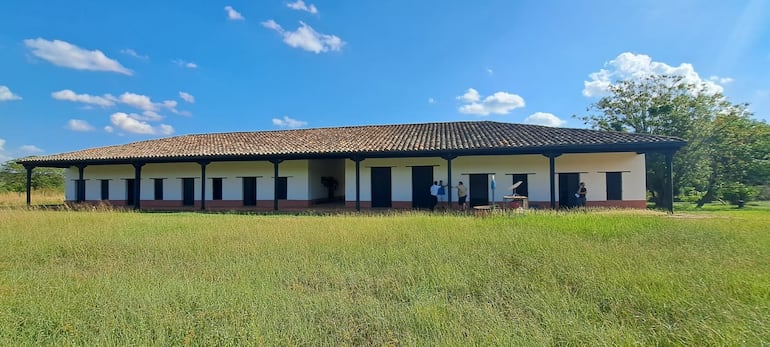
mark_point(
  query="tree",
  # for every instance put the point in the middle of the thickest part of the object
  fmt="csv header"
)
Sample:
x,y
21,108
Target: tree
x,y
711,125
13,178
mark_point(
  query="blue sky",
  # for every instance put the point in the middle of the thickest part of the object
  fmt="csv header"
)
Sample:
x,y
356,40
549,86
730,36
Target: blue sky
x,y
80,74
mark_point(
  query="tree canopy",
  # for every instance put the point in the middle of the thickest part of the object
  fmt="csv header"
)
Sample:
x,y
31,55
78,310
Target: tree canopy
x,y
13,178
726,149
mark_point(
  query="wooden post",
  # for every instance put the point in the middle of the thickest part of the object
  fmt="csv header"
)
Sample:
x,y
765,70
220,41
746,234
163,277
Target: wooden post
x,y
275,182
80,187
358,160
552,174
29,183
203,184
449,158
670,181
138,185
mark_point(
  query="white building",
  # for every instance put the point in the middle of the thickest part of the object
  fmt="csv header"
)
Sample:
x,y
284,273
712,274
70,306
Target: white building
x,y
373,166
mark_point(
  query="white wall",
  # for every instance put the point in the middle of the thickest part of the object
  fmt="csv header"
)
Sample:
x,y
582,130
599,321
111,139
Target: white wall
x,y
592,168
231,172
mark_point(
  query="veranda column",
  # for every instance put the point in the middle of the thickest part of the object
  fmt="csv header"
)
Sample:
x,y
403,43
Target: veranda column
x,y
203,184
552,176
137,185
449,158
29,183
275,182
80,186
670,181
358,160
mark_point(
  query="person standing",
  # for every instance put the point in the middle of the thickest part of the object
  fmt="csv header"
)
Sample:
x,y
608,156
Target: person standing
x,y
581,195
462,194
434,195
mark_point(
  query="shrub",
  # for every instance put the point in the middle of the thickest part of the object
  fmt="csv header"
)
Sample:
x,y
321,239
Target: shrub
x,y
734,192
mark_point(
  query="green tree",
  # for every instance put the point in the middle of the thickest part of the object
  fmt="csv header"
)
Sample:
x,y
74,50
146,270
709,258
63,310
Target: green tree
x,y
13,177
712,126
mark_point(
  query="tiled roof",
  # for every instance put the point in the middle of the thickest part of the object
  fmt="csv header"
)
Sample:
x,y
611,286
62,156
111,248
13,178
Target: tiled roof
x,y
458,137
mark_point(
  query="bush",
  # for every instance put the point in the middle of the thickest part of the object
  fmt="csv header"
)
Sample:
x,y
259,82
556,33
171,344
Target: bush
x,y
763,192
734,192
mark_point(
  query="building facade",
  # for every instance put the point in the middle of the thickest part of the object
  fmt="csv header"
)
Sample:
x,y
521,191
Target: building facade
x,y
390,166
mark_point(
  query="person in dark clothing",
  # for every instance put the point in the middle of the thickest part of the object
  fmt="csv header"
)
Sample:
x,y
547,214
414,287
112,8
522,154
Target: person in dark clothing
x,y
581,195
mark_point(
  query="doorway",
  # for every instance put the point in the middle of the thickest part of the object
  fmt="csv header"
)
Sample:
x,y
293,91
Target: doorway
x,y
422,179
188,191
381,187
478,186
569,183
130,191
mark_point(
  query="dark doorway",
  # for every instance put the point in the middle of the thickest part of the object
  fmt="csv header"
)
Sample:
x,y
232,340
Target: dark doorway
x,y
188,191
105,189
422,179
249,191
282,188
130,191
523,188
478,187
381,187
569,183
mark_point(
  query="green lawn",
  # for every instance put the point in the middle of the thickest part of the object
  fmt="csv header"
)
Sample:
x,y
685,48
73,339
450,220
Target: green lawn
x,y
596,278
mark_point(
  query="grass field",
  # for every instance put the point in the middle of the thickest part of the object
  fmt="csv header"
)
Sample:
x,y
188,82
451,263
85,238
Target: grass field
x,y
596,278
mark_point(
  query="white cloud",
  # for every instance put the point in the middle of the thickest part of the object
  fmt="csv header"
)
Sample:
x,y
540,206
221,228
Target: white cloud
x,y
69,95
287,122
79,125
131,52
7,95
129,123
497,103
721,80
187,97
490,71
3,156
637,66
543,118
472,95
185,64
431,100
141,102
109,129
306,38
300,5
65,54
232,14
30,149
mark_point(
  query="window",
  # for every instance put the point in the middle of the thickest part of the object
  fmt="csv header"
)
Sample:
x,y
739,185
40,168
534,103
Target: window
x,y
614,186
523,189
158,188
105,189
282,187
216,189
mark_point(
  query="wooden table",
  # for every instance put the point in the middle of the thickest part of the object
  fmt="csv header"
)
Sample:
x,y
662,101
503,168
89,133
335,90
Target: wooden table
x,y
512,199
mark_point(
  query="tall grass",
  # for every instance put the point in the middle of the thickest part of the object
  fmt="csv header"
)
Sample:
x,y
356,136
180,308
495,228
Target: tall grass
x,y
108,278
39,197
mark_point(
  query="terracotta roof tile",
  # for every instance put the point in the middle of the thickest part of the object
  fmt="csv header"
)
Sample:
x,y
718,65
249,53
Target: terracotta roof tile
x,y
404,138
